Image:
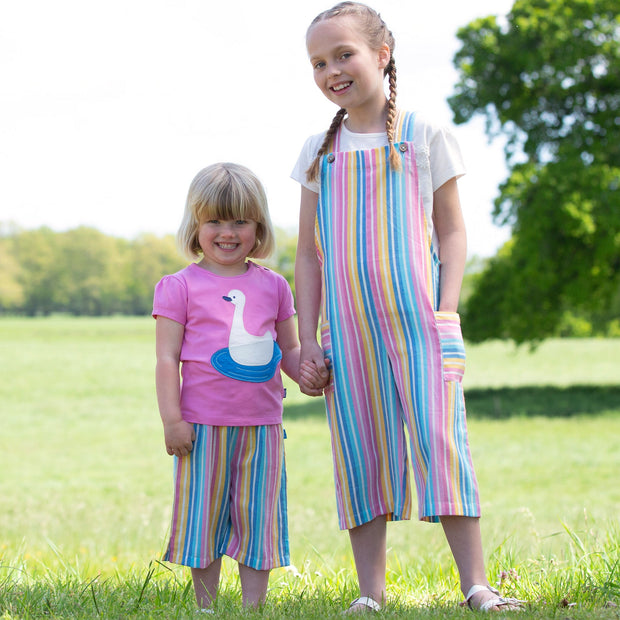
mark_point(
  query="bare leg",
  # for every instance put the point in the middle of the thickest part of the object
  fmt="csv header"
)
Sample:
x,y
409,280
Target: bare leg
x,y
368,542
253,585
463,534
206,581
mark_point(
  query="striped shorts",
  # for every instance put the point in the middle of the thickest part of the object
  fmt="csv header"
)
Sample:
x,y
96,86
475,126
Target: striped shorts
x,y
230,498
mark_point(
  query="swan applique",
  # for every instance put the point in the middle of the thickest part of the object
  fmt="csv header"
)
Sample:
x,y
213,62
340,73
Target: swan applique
x,y
245,348
248,357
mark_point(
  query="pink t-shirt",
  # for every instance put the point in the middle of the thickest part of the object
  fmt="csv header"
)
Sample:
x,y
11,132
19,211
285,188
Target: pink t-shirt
x,y
230,360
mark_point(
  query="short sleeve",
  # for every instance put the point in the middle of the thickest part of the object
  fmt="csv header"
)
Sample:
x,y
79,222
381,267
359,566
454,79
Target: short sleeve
x,y
287,304
445,157
170,299
306,157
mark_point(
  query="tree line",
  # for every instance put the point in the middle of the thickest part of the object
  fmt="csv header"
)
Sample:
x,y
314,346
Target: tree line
x,y
85,272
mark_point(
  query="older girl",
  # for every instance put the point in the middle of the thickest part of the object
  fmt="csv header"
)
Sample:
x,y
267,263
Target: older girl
x,y
380,258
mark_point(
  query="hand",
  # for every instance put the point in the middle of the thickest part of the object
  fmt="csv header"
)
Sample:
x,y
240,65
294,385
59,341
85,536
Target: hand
x,y
179,437
311,381
313,370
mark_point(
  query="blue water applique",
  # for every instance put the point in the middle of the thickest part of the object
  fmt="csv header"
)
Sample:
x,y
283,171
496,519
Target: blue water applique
x,y
248,357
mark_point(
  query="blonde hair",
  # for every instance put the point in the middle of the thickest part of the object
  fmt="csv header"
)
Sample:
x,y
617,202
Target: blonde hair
x,y
377,34
226,191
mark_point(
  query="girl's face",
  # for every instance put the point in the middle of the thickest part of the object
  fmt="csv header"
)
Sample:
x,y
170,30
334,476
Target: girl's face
x,y
226,244
346,69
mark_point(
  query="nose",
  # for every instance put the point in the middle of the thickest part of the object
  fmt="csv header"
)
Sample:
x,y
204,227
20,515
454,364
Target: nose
x,y
227,229
333,70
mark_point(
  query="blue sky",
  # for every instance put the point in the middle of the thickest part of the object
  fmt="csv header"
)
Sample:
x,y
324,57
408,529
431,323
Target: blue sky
x,y
110,108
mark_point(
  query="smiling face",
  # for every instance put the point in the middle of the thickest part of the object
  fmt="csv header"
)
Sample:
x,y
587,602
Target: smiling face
x,y
346,69
226,244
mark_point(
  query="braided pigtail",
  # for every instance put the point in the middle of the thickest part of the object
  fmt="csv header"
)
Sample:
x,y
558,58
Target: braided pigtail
x,y
390,123
313,171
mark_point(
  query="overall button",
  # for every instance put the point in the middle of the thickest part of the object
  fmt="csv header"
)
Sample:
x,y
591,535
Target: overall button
x,y
330,158
403,147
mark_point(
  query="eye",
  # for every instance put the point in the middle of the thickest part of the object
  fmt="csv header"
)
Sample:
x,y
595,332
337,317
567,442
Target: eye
x,y
318,65
346,55
241,222
212,222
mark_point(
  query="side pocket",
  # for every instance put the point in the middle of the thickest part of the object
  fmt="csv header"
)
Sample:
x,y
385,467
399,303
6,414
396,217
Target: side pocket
x,y
452,345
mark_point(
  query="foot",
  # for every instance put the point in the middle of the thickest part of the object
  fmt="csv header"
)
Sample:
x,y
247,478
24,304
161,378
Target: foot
x,y
363,604
486,598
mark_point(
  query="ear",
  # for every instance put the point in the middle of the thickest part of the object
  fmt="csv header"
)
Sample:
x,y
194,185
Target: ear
x,y
384,55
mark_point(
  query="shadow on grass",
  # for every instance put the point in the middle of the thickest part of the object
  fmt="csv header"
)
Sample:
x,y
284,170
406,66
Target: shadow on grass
x,y
510,402
543,401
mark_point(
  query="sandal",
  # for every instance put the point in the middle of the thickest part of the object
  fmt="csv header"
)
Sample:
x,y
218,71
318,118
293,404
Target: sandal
x,y
365,601
510,604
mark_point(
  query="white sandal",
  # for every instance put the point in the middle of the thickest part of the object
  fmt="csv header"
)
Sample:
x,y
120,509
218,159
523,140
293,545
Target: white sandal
x,y
366,601
511,604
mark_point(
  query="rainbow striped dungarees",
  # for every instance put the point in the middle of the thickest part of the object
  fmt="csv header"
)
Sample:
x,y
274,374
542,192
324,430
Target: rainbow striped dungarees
x,y
396,362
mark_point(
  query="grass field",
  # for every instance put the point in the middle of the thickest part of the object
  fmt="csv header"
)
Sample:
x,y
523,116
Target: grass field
x,y
85,485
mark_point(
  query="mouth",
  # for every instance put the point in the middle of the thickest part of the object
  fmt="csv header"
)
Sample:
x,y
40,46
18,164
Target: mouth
x,y
227,246
338,88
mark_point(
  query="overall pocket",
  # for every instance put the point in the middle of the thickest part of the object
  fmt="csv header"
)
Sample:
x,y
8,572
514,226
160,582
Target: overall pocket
x,y
452,345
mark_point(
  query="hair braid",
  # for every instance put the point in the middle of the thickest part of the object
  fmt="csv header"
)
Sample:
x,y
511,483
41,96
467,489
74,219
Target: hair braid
x,y
313,171
390,122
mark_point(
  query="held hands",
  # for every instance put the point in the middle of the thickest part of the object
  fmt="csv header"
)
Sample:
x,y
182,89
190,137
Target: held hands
x,y
179,437
313,371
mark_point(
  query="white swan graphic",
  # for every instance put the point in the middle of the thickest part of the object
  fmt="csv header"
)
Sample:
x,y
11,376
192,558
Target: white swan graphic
x,y
245,348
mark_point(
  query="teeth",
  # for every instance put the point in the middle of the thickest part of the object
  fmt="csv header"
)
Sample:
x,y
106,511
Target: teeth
x,y
227,246
341,86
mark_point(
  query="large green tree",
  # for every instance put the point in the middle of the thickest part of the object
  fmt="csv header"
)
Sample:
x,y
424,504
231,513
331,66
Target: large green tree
x,y
547,78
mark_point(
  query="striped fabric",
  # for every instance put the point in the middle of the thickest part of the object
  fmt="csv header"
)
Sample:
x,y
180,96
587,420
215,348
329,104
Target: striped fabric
x,y
230,498
388,346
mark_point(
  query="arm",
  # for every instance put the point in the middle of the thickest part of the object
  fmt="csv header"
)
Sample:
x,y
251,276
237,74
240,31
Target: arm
x,y
178,434
289,345
307,378
308,285
450,226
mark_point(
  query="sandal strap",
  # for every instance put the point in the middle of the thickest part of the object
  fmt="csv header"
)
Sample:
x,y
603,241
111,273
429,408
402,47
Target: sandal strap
x,y
475,589
367,601
496,601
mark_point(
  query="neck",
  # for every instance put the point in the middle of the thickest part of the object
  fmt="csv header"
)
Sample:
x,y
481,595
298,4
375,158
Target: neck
x,y
367,120
228,271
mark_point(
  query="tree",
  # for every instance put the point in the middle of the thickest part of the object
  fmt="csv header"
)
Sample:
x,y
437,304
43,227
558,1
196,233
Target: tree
x,y
11,291
35,252
149,259
87,271
283,259
549,80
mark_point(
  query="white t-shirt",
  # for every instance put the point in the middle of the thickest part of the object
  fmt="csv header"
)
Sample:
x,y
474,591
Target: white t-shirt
x,y
438,158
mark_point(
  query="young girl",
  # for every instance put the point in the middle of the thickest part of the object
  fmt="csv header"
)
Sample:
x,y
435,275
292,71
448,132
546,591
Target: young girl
x,y
381,255
230,324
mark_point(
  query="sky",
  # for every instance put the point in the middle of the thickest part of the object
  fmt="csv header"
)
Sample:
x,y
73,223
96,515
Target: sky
x,y
109,109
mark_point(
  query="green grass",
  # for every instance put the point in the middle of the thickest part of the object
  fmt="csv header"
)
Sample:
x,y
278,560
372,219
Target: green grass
x,y
86,485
